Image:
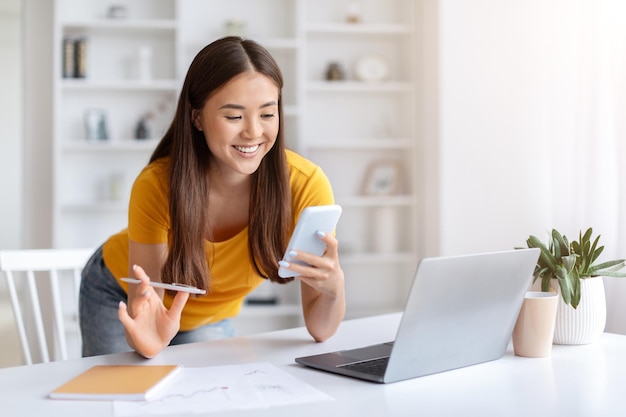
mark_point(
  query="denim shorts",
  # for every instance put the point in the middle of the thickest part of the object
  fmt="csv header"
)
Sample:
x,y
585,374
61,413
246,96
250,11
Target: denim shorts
x,y
101,330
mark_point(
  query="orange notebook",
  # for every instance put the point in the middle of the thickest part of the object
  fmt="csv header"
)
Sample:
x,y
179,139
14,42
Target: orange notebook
x,y
117,382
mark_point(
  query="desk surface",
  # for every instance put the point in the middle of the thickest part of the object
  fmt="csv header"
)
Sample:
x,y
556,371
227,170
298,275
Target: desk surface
x,y
575,381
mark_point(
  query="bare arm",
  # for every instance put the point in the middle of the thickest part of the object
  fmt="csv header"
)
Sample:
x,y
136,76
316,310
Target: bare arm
x,y
322,287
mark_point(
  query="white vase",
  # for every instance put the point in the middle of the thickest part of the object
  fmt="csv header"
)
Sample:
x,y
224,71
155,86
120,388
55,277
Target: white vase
x,y
586,323
385,232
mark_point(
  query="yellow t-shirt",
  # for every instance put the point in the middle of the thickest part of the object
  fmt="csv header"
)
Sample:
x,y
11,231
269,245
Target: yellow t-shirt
x,y
233,276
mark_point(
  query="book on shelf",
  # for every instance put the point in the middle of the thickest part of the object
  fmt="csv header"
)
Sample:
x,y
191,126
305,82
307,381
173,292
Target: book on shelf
x,y
117,383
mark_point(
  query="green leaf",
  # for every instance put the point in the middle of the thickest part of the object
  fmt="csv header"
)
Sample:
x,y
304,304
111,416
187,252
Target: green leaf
x,y
596,253
585,260
569,262
613,274
561,245
609,269
546,259
566,289
575,298
615,265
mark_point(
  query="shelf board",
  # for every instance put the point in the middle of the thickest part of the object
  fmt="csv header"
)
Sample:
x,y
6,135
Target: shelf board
x,y
278,43
270,43
270,310
144,145
376,201
367,144
119,85
98,206
359,86
358,28
120,24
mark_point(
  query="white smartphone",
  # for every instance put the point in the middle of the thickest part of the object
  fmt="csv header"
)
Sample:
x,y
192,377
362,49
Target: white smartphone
x,y
174,286
304,238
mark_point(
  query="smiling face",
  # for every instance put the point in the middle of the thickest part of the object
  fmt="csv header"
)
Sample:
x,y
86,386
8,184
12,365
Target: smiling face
x,y
240,122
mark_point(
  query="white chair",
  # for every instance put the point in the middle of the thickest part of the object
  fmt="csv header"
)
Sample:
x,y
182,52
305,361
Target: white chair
x,y
36,277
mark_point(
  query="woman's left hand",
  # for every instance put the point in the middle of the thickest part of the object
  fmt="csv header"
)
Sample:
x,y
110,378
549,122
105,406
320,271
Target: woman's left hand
x,y
148,324
323,294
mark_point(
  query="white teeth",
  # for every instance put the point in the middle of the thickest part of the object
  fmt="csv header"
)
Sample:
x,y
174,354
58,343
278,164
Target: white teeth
x,y
247,149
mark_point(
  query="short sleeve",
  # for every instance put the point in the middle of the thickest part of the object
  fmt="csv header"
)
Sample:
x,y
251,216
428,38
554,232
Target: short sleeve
x,y
309,184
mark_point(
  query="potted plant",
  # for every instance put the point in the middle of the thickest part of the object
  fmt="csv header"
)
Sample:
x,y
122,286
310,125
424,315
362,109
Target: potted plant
x,y
574,266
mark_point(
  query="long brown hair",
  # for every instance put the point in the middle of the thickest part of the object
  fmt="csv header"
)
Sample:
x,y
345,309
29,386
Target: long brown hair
x,y
269,215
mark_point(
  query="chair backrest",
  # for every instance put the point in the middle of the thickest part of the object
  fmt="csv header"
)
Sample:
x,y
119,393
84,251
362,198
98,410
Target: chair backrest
x,y
34,275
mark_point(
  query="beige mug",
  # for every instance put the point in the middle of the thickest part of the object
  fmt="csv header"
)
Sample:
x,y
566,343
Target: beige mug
x,y
534,329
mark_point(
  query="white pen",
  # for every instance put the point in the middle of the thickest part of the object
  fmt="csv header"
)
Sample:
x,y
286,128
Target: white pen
x,y
175,286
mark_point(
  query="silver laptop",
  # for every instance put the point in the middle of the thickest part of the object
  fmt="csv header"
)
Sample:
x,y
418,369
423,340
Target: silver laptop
x,y
461,311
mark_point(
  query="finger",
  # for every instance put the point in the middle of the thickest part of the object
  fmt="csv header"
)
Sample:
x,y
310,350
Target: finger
x,y
292,266
319,271
122,314
330,241
314,261
178,304
307,258
143,287
140,273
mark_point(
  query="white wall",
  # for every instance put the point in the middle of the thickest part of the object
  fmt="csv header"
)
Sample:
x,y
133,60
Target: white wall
x,y
513,76
37,213
25,123
490,125
10,125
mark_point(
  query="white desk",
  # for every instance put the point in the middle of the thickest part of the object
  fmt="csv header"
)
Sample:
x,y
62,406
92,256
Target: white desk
x,y
576,381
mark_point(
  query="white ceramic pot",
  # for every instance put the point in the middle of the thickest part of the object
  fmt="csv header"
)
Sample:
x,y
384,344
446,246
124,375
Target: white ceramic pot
x,y
586,323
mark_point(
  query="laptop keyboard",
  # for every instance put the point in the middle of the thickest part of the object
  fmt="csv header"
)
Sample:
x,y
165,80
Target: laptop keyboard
x,y
372,366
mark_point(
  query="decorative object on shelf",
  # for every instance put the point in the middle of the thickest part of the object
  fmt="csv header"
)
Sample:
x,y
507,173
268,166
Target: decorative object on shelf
x,y
385,231
143,130
96,124
371,68
80,57
116,186
334,72
117,11
353,14
382,178
144,63
69,60
74,57
581,315
235,27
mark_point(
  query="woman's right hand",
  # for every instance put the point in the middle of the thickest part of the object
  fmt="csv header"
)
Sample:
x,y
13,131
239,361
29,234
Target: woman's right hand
x,y
149,325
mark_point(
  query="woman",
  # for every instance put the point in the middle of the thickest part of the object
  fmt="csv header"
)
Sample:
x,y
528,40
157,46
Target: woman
x,y
214,208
